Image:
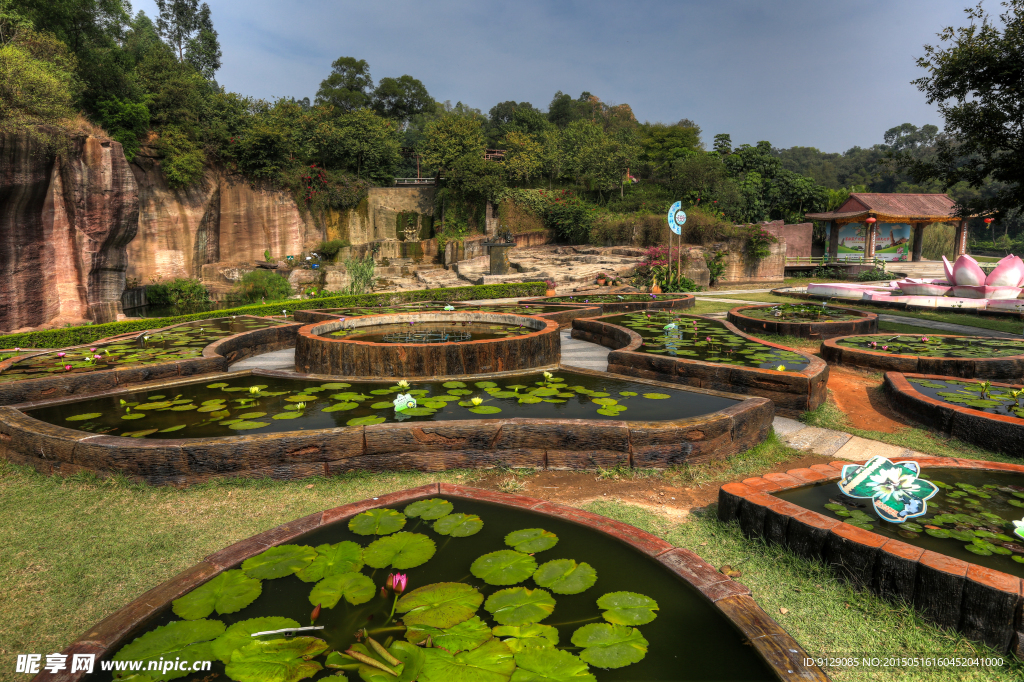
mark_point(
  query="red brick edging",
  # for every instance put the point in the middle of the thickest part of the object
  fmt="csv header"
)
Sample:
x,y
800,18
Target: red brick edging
x,y
773,644
1008,368
867,323
984,604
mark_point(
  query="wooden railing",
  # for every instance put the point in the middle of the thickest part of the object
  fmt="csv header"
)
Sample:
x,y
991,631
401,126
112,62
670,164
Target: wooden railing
x,y
414,181
842,259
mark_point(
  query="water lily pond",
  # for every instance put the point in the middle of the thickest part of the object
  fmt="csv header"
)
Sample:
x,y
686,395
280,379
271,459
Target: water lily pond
x,y
974,394
665,332
433,331
182,342
485,594
936,346
440,305
612,298
259,404
970,518
799,312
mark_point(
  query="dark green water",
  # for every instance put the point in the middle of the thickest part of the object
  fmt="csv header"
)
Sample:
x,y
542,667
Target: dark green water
x,y
703,339
967,494
434,331
799,312
224,406
689,640
936,346
997,400
181,342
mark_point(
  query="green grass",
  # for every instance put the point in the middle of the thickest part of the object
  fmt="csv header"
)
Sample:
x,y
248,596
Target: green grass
x,y
829,416
898,328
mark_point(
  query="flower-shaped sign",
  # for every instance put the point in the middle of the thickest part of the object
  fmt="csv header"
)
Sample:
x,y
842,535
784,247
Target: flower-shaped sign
x,y
1018,529
895,489
449,307
403,402
670,326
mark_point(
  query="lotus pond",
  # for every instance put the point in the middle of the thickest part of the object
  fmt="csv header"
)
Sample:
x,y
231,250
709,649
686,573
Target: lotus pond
x,y
612,298
972,517
434,331
799,312
978,395
181,342
698,338
272,405
936,346
452,590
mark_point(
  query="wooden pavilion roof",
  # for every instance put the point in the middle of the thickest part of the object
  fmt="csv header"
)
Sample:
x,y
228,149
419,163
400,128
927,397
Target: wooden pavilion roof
x,y
892,208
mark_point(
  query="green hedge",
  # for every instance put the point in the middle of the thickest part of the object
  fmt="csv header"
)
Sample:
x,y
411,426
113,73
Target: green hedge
x,y
75,336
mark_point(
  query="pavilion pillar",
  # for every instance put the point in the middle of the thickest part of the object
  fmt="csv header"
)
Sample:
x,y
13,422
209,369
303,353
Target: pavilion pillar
x,y
918,241
833,241
961,239
869,242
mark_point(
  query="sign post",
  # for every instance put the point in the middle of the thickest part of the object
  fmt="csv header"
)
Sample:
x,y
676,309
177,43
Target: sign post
x,y
676,220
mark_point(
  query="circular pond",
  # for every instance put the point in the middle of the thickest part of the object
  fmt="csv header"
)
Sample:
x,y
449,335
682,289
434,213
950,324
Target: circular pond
x,y
434,344
982,357
447,584
563,314
803,320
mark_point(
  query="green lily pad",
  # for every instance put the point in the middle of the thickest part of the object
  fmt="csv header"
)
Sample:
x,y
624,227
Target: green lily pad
x,y
490,662
276,660
287,415
439,605
252,415
411,657
485,409
454,384
342,557
401,550
229,592
657,396
547,664
469,634
377,522
429,510
937,532
211,407
133,415
219,384
627,608
246,426
565,576
530,635
484,384
170,429
610,646
504,567
419,411
138,434
334,387
302,398
382,406
458,525
83,417
240,634
277,562
530,400
340,407
365,421
531,540
520,605
356,588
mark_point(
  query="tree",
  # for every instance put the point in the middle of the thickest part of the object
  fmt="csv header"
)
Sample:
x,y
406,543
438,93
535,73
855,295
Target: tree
x,y
187,27
349,85
400,98
975,78
662,145
723,144
699,178
581,143
522,156
449,138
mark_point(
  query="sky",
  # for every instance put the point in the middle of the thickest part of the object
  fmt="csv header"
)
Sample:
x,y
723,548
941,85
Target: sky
x,y
828,74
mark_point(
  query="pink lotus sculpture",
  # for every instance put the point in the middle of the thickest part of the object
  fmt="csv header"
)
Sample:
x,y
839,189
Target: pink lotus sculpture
x,y
970,281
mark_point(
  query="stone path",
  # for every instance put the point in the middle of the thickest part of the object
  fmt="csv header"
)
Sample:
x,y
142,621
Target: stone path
x,y
583,353
278,359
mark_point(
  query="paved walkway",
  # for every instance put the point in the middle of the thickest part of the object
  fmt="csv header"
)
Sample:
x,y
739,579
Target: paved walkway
x,y
583,353
278,359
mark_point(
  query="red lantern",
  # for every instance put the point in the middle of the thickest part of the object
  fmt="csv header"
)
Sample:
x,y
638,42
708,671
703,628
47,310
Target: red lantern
x,y
988,222
871,221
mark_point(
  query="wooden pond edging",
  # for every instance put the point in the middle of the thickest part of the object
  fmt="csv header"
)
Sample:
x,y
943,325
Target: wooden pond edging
x,y
216,357
571,444
1008,368
995,432
981,603
792,392
867,323
663,302
776,647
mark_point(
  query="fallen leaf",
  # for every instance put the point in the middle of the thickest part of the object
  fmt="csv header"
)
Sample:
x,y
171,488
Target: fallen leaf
x,y
703,543
783,610
309,486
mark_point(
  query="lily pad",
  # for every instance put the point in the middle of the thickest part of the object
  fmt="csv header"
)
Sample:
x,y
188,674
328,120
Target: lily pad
x,y
504,567
377,522
246,426
276,660
520,605
356,588
547,664
219,384
485,409
277,562
627,608
531,540
229,592
411,659
531,635
657,396
458,525
454,384
133,415
382,406
334,387
138,434
240,634
169,429
401,550
342,557
252,415
429,510
340,407
565,576
180,638
83,417
490,662
469,634
287,415
610,646
418,411
365,421
439,605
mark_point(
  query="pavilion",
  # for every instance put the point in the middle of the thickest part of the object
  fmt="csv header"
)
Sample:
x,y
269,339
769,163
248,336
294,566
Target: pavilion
x,y
917,210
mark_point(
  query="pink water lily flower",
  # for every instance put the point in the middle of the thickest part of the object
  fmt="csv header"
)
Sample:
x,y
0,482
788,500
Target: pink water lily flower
x,y
885,347
874,344
60,355
67,367
92,350
97,357
708,338
924,339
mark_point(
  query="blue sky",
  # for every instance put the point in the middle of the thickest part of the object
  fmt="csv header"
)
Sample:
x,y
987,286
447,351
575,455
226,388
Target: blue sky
x,y
816,73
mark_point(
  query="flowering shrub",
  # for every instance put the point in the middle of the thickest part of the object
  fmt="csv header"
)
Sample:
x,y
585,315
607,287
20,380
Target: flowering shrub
x,y
759,243
569,216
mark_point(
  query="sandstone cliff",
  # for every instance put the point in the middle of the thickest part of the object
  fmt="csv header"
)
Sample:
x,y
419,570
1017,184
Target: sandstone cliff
x,y
64,225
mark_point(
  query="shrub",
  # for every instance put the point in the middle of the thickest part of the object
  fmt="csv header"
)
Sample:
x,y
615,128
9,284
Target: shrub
x,y
759,243
716,265
182,158
360,272
329,249
181,292
262,284
569,216
874,275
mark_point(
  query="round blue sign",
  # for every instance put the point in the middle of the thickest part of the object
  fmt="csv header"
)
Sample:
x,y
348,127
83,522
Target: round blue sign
x,y
676,218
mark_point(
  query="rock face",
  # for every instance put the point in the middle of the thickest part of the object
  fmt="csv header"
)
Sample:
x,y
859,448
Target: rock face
x,y
64,224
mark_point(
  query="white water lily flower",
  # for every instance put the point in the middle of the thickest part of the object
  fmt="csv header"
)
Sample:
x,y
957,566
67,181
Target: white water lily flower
x,y
403,384
893,483
548,375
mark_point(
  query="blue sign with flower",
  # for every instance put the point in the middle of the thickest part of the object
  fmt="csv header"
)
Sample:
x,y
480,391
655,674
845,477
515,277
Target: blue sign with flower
x,y
896,491
676,217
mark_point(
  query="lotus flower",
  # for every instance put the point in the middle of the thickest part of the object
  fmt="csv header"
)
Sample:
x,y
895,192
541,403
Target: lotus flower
x,y
476,401
316,614
67,367
708,339
948,269
397,582
92,350
548,375
60,355
403,384
780,368
1009,272
924,339
17,350
967,272
97,357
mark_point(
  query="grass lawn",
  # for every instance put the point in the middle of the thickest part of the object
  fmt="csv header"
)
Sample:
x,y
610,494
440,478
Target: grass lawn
x,y
78,549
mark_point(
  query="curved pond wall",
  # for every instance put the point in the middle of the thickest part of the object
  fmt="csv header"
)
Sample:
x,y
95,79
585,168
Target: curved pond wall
x,y
982,603
773,645
352,358
662,301
1009,368
217,357
867,323
424,446
994,432
563,317
792,392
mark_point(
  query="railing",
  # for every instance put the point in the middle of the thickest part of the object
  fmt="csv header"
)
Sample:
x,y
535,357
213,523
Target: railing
x,y
414,181
842,259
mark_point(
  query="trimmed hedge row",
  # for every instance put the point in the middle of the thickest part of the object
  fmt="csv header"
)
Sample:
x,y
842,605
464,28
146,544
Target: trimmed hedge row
x,y
75,336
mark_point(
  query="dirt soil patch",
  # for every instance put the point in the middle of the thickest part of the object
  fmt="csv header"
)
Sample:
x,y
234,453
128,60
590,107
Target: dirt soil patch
x,y
860,397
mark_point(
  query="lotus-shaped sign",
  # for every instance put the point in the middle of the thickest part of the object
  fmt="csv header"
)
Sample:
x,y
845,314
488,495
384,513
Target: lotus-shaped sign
x,y
968,280
403,402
